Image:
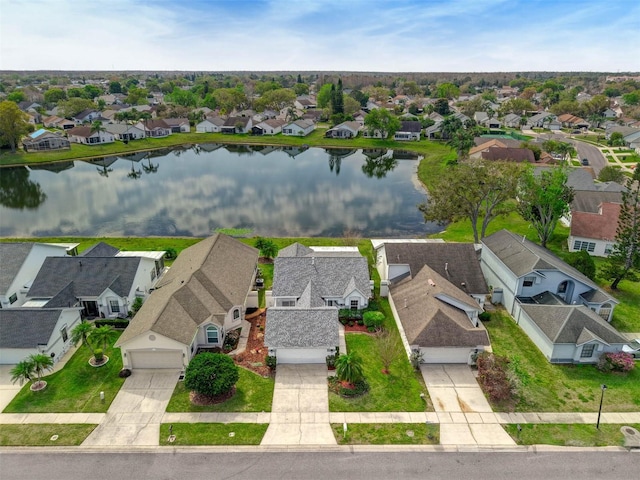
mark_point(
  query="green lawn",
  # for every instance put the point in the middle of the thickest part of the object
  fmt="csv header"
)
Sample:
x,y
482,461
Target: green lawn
x,y
213,433
568,435
397,392
31,435
75,388
253,394
387,434
559,388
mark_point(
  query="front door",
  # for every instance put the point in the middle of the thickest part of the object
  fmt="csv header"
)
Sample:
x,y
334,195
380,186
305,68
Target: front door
x,y
90,309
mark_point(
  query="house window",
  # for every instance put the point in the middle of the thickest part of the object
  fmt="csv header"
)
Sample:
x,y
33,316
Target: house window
x,y
288,303
236,314
588,246
13,298
354,304
114,306
64,334
587,351
331,303
608,248
153,274
212,334
528,281
562,288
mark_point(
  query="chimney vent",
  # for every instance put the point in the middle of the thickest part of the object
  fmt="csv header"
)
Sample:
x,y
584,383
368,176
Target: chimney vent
x,y
405,303
432,283
446,267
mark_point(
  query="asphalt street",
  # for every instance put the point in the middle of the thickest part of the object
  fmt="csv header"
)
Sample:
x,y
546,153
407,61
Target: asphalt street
x,y
591,153
355,465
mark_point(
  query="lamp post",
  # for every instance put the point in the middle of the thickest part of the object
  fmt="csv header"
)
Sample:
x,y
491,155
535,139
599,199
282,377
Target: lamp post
x,y
603,387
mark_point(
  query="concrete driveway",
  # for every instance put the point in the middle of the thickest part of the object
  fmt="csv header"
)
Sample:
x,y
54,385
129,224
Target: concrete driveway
x,y
300,411
465,416
134,416
7,389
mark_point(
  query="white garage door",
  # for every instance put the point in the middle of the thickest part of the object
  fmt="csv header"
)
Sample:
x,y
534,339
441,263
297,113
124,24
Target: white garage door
x,y
157,359
445,355
301,355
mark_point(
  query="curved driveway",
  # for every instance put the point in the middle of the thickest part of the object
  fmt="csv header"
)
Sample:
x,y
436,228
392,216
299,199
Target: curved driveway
x,y
597,161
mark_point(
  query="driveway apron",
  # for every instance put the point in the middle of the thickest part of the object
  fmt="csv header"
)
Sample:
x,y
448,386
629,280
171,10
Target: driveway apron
x,y
135,415
300,411
465,416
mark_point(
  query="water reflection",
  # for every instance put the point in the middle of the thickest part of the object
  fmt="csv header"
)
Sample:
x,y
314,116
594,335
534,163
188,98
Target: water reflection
x,y
274,191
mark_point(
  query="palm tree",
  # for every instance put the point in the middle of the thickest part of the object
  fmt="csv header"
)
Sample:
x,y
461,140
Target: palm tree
x,y
40,362
103,336
135,174
97,127
151,168
81,333
349,368
22,372
146,116
461,141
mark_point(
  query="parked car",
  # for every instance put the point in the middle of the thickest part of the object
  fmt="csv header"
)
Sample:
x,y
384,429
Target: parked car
x,y
585,161
633,348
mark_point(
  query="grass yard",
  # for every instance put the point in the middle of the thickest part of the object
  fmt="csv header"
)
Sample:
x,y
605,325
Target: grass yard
x,y
213,433
568,435
558,388
387,434
397,392
75,388
31,435
253,394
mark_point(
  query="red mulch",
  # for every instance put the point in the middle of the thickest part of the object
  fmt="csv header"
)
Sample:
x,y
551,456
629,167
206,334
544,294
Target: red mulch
x,y
356,329
203,400
256,351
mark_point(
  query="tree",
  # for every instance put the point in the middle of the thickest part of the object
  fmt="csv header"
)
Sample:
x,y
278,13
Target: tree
x,y
447,90
472,191
54,95
70,108
461,141
611,174
583,262
301,89
137,96
535,148
211,374
91,92
389,349
544,199
115,87
103,336
229,99
13,124
276,99
81,333
349,368
451,125
323,98
441,106
97,127
516,105
616,139
381,120
379,167
22,372
267,247
16,96
337,99
40,362
624,261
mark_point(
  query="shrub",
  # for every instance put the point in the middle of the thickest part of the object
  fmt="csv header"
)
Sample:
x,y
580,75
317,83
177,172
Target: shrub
x,y
484,316
373,319
98,354
583,262
211,374
331,361
359,388
494,378
349,368
137,303
124,373
271,361
416,358
616,362
170,253
119,323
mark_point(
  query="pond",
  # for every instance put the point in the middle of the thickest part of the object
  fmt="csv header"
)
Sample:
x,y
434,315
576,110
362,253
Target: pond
x,y
192,191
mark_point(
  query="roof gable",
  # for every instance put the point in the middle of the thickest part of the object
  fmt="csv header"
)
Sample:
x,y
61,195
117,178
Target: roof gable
x,y
27,327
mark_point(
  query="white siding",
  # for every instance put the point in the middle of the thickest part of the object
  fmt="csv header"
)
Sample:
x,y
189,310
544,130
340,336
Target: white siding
x,y
301,355
159,343
446,355
156,359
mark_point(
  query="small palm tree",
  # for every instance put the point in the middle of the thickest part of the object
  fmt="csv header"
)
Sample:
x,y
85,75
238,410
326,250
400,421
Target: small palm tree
x,y
96,127
103,336
81,333
22,372
40,363
349,368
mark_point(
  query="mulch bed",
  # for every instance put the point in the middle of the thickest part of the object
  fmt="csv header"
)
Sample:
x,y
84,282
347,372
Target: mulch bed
x,y
203,400
356,329
253,357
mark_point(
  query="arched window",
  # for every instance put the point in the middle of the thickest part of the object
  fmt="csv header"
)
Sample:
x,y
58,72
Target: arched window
x,y
236,314
212,334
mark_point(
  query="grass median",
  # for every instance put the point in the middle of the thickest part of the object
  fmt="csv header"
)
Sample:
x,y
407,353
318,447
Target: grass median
x,y
568,435
213,433
387,434
44,435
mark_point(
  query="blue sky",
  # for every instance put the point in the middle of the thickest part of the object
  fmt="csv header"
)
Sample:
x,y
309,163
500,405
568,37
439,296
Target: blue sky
x,y
352,35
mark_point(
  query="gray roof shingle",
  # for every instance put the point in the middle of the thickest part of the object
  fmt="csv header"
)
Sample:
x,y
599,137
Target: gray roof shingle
x,y
302,328
100,249
27,327
12,257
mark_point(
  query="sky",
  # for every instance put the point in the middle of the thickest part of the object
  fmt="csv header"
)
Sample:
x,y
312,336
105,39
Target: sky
x,y
303,35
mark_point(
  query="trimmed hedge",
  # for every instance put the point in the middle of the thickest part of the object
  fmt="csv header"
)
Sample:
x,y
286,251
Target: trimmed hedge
x,y
120,323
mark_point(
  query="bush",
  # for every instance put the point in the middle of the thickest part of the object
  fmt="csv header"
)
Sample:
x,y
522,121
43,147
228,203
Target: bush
x,y
271,361
119,323
359,388
211,374
616,362
583,262
348,314
170,253
124,373
231,340
137,303
416,358
331,361
373,319
484,316
494,378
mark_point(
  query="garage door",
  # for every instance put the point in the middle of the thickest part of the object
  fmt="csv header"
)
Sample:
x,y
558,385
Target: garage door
x,y
157,359
445,355
301,355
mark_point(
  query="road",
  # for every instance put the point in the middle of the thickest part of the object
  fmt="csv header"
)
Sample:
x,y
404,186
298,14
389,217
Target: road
x,y
169,464
585,150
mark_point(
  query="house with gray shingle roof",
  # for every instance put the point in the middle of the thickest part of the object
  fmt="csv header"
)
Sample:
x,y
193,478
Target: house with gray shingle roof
x,y
19,265
194,305
26,331
438,319
310,284
524,275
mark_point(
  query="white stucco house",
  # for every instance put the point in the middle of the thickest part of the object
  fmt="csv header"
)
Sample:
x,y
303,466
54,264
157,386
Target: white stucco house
x,y
124,132
210,125
310,285
19,265
27,331
200,299
298,128
85,135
